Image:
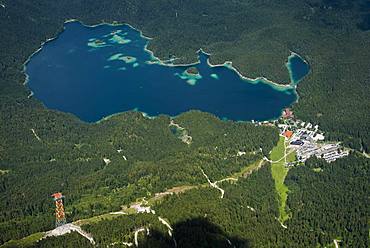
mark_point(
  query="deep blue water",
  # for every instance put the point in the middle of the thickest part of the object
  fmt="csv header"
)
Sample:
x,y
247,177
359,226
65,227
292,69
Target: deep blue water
x,y
298,68
85,71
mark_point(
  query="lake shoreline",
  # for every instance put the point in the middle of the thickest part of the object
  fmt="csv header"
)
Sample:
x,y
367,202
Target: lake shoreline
x,y
157,60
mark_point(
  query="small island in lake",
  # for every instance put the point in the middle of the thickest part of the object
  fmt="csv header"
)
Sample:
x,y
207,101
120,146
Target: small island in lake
x,y
96,43
193,71
133,84
128,59
99,42
191,75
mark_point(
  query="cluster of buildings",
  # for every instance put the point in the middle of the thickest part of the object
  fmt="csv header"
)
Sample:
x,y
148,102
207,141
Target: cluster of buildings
x,y
329,152
140,209
307,140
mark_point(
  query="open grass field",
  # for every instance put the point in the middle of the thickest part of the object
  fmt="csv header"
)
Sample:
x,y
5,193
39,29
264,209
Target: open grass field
x,y
279,172
25,242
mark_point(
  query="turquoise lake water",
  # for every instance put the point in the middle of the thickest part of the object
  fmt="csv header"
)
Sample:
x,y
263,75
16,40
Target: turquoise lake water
x,y
298,68
94,72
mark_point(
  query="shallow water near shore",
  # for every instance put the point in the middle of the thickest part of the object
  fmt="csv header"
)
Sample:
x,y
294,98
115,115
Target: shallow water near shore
x,y
94,72
298,68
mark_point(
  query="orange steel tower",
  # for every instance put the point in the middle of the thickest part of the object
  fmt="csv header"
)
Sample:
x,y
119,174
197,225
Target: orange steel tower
x,y
60,218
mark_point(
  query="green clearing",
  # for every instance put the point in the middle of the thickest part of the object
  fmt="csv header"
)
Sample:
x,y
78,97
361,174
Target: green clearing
x,y
247,170
25,242
98,218
279,173
291,157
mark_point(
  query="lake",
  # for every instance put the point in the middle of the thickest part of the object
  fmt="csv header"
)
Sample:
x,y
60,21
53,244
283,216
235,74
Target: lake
x,y
94,72
298,68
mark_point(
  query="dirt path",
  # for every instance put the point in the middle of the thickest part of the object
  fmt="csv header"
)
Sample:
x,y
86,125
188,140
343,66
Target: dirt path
x,y
35,134
226,180
336,243
277,161
255,169
285,155
164,222
142,229
366,155
235,177
213,185
171,191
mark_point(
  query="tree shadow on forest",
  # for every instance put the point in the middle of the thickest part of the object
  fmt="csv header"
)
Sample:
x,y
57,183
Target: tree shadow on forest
x,y
193,233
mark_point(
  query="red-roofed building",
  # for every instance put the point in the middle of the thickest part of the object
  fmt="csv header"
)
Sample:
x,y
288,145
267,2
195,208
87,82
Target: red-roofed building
x,y
287,113
288,134
57,195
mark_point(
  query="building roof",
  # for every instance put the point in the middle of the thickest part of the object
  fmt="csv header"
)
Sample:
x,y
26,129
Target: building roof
x,y
287,113
57,195
297,142
288,133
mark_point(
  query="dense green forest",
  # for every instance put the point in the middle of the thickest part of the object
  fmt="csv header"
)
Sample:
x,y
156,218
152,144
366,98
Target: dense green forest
x,y
156,160
257,36
322,210
330,202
